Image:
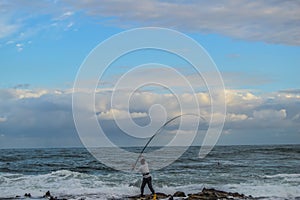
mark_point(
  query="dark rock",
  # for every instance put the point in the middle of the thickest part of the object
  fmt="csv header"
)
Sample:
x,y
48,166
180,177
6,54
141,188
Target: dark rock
x,y
159,195
47,194
213,194
205,194
170,197
197,196
179,194
27,195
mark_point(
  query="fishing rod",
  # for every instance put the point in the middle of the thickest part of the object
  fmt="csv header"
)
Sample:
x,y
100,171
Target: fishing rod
x,y
158,131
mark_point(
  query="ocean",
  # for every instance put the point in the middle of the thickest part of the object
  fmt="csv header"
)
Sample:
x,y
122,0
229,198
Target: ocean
x,y
267,172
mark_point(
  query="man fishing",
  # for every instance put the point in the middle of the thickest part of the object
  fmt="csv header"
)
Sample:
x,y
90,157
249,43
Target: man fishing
x,y
147,179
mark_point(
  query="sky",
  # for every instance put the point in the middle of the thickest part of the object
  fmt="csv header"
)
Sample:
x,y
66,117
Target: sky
x,y
254,44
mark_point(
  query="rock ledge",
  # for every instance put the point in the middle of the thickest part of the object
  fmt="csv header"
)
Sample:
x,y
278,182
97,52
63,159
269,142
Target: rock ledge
x,y
205,194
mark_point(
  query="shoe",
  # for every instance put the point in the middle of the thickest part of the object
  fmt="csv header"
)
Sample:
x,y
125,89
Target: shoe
x,y
154,197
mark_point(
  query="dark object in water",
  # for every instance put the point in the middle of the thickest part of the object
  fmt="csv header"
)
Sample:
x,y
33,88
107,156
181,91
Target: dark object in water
x,y
27,195
47,194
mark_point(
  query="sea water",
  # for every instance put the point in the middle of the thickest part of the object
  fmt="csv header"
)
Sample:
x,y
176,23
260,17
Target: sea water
x,y
267,172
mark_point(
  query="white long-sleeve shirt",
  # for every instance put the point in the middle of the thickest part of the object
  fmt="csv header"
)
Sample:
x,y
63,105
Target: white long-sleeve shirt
x,y
144,169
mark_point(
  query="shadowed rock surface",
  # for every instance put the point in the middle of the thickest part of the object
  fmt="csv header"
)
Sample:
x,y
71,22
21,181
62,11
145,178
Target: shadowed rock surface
x,y
205,194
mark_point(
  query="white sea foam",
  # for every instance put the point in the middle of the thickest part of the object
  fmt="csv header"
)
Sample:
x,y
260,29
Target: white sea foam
x,y
283,176
75,185
270,191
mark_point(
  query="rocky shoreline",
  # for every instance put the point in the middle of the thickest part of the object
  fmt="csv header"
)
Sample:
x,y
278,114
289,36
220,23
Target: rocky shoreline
x,y
205,194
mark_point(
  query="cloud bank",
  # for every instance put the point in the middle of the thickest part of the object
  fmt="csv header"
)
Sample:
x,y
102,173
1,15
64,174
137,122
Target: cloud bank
x,y
43,118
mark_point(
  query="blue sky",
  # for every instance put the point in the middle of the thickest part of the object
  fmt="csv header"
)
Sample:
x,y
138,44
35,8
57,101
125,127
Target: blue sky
x,y
254,44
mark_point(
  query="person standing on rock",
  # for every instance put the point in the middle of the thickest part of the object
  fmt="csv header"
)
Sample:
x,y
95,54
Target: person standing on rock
x,y
147,179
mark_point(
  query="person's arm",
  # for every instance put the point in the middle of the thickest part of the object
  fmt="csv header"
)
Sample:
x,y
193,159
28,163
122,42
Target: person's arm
x,y
133,167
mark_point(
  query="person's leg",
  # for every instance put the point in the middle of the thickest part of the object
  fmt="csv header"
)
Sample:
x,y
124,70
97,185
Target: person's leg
x,y
143,186
149,183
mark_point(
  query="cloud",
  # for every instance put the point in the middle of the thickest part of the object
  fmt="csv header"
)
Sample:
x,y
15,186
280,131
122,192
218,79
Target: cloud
x,y
236,117
290,91
23,94
119,114
22,20
41,119
65,15
270,114
7,29
20,47
182,78
249,99
270,21
44,117
21,86
287,96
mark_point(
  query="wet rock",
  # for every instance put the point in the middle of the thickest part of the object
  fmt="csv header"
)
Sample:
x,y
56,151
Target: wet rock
x,y
214,194
205,194
179,194
170,197
47,194
27,195
159,195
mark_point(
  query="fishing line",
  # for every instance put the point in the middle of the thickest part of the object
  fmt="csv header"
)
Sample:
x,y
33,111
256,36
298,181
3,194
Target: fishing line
x,y
159,130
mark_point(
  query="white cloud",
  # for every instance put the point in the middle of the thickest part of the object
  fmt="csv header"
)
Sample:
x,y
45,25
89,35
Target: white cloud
x,y
243,99
7,29
48,113
287,95
203,98
18,19
120,114
65,15
270,21
236,117
70,25
270,114
180,79
23,94
20,46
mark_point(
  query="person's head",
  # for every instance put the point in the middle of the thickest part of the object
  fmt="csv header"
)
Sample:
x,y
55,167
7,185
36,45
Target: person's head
x,y
143,161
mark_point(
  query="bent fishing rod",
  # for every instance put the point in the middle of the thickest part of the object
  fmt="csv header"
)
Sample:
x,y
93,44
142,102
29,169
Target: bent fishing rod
x,y
158,131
